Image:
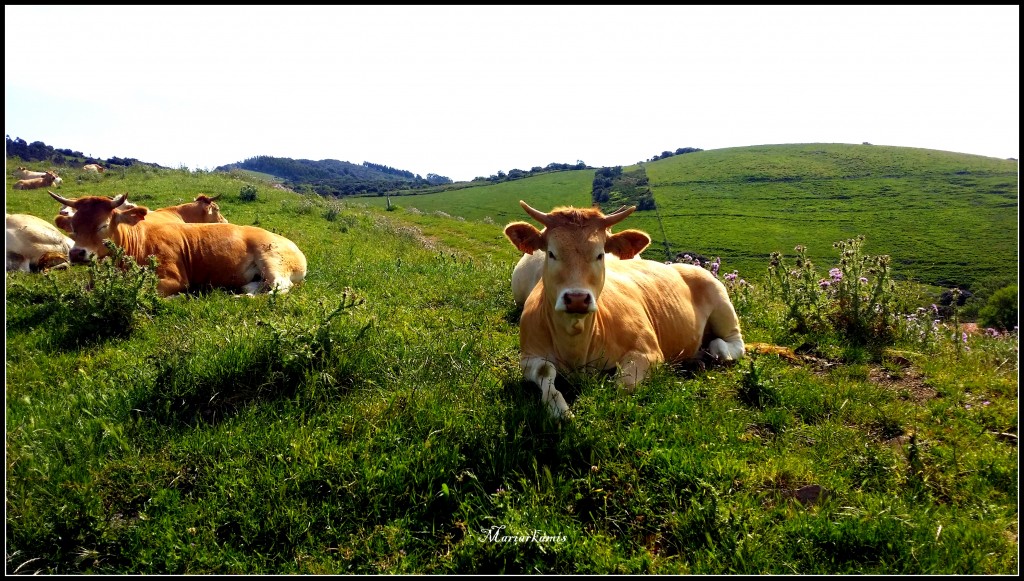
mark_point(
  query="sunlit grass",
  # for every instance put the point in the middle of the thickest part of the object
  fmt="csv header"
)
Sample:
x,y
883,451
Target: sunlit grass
x,y
374,420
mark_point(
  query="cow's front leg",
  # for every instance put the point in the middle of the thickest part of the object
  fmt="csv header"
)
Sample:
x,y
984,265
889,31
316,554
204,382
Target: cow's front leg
x,y
170,282
632,369
542,372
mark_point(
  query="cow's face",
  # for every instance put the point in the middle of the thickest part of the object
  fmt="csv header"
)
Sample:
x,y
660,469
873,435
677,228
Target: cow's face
x,y
92,220
576,242
208,210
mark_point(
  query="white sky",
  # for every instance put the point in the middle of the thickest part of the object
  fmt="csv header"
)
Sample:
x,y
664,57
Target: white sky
x,y
468,91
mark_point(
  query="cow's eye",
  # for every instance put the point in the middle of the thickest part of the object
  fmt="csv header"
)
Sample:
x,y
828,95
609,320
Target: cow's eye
x,y
600,256
551,255
101,227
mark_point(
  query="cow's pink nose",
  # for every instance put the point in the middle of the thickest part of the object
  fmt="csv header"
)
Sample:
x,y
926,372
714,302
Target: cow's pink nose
x,y
576,302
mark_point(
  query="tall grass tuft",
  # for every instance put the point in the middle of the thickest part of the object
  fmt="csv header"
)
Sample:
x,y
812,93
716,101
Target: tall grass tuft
x,y
271,358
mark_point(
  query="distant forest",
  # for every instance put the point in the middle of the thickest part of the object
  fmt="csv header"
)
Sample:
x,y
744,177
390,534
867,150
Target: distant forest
x,y
39,151
329,177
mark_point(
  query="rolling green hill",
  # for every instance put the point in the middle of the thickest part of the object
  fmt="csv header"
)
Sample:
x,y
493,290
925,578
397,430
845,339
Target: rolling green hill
x,y
944,218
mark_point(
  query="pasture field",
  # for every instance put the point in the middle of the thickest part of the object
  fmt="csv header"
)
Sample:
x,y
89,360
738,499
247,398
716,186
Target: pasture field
x,y
499,203
945,218
374,420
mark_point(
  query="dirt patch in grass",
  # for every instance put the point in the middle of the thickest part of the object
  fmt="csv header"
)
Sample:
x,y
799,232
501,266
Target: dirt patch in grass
x,y
897,373
907,382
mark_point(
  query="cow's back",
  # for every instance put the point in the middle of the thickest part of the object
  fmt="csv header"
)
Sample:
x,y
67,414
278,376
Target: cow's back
x,y
222,254
525,276
672,300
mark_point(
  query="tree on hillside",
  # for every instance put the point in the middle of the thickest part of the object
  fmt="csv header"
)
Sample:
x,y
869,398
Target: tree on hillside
x,y
436,180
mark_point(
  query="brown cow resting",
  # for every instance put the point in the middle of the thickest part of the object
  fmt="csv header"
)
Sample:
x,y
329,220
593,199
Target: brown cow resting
x,y
202,210
626,315
221,255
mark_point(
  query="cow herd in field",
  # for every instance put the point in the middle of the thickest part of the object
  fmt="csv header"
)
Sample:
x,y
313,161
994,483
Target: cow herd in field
x,y
588,300
194,245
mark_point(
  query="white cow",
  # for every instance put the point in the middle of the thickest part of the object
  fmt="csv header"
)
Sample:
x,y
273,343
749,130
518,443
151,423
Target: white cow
x,y
30,240
23,173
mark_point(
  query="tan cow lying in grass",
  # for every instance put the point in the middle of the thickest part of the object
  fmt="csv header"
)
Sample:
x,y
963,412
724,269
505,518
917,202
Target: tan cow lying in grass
x,y
48,179
23,173
625,315
202,210
189,256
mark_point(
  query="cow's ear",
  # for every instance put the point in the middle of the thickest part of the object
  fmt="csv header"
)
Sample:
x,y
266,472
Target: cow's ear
x,y
627,244
131,216
64,223
524,236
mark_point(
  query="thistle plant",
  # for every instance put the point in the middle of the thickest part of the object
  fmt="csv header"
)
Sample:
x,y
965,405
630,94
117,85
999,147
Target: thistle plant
x,y
863,294
799,288
740,292
856,299
959,335
921,327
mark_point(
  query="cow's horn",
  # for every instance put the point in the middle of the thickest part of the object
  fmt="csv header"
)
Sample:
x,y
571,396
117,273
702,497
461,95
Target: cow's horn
x,y
119,200
536,214
64,201
618,216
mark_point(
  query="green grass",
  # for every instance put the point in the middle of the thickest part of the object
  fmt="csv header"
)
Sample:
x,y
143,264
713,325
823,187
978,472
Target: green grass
x,y
374,420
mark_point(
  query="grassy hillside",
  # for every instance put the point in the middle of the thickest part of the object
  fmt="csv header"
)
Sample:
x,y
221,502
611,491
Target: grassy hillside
x,y
945,218
499,203
374,419
473,218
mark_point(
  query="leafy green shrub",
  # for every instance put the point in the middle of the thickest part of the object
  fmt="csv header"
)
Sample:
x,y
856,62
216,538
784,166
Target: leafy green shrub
x,y
1001,310
247,193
